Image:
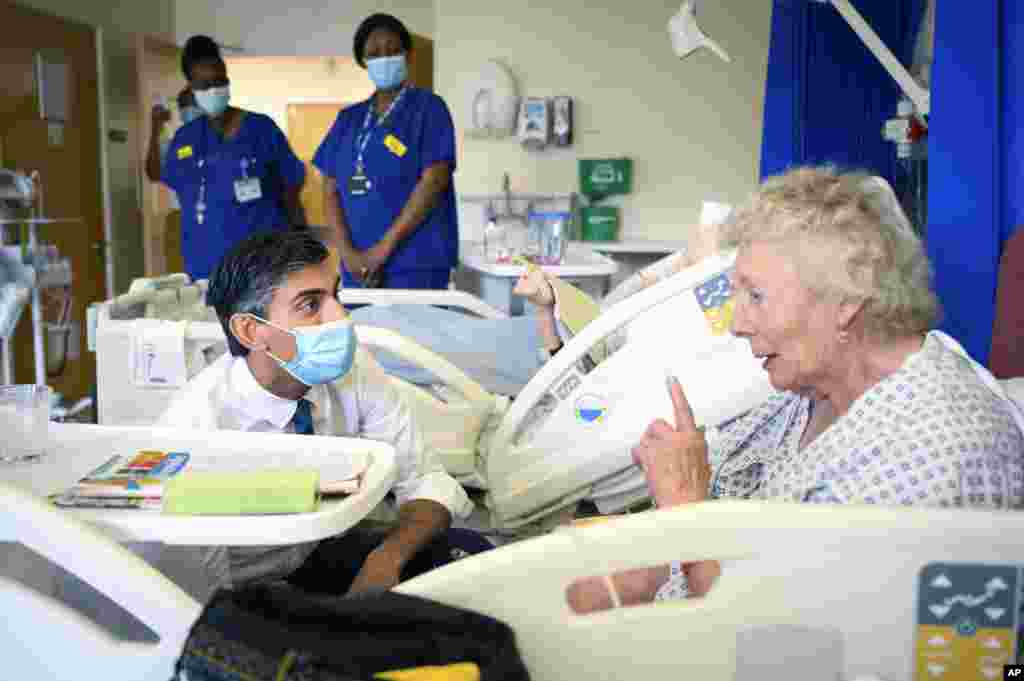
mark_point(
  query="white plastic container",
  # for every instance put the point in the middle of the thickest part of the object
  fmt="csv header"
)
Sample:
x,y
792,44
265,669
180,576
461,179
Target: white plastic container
x,y
583,267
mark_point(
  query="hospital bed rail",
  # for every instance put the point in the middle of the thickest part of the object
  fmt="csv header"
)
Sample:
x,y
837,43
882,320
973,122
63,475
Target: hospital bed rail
x,y
459,300
46,640
150,291
721,377
807,592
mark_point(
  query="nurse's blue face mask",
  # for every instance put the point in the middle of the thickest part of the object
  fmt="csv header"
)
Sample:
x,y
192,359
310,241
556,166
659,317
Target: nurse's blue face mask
x,y
387,73
213,101
323,353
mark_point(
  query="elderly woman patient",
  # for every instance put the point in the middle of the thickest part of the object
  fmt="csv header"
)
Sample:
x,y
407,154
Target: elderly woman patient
x,y
832,291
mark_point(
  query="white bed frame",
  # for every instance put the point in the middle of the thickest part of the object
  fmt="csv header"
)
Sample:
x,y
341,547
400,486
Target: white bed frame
x,y
793,576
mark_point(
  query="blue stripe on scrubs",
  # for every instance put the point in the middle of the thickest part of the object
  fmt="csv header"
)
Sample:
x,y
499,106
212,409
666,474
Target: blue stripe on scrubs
x,y
228,221
423,125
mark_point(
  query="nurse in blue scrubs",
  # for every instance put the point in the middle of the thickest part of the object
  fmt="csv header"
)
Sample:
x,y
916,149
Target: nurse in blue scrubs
x,y
389,196
233,170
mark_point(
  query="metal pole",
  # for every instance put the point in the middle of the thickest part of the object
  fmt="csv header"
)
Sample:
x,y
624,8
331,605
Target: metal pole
x,y
917,94
8,361
38,351
108,210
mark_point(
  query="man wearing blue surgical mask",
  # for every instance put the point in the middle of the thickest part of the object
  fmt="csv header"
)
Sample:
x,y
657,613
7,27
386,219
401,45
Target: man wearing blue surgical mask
x,y
233,170
294,367
390,198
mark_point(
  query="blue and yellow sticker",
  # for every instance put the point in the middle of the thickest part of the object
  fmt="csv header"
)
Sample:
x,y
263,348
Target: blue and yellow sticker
x,y
717,302
967,618
590,409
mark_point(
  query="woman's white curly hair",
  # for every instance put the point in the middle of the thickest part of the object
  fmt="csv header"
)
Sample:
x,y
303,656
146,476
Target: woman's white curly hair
x,y
849,239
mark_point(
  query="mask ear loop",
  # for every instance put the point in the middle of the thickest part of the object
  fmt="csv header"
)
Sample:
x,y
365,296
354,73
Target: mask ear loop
x,y
271,325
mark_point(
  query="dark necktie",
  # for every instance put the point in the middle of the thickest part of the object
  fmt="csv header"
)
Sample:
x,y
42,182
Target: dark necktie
x,y
303,419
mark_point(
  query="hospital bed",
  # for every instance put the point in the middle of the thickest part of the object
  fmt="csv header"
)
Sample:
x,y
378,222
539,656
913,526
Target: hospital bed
x,y
168,318
806,593
565,437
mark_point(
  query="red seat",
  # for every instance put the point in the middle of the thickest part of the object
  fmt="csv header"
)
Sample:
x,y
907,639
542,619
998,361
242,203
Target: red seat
x,y
1007,357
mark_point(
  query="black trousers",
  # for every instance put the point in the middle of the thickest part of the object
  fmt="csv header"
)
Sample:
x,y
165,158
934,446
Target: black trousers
x,y
333,566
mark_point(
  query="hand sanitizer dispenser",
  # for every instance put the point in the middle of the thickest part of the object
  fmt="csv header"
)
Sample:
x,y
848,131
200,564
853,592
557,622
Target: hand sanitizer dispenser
x,y
535,123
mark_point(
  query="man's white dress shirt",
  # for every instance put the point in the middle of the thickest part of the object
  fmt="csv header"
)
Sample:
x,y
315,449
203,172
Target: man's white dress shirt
x,y
363,403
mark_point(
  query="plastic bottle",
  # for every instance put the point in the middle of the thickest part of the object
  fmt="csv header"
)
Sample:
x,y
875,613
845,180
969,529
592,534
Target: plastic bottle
x,y
495,239
534,236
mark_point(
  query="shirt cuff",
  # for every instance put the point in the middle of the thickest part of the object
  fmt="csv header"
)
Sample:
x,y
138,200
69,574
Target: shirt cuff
x,y
439,487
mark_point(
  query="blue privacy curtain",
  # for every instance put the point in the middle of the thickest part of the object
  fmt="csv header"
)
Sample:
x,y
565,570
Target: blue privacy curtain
x,y
826,95
967,162
826,99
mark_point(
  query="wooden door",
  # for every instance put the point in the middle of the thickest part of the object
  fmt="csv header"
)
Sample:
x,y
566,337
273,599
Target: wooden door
x,y
421,62
308,124
68,159
159,68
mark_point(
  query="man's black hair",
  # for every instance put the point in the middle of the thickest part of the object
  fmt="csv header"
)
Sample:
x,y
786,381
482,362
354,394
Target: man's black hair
x,y
198,48
371,24
245,279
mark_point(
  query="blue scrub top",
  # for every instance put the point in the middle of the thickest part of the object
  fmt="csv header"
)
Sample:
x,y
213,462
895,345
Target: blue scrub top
x,y
259,149
423,125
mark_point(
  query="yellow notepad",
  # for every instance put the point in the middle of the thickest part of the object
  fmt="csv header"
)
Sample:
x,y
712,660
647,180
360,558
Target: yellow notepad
x,y
243,493
573,307
576,309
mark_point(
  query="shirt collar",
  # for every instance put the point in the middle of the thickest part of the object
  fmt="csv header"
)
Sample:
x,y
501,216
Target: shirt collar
x,y
253,403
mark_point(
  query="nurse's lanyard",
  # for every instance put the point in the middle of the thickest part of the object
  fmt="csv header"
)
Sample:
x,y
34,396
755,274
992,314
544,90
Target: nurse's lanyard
x,y
201,166
201,204
364,136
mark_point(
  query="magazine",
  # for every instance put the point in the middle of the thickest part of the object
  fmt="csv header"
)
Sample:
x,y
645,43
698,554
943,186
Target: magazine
x,y
73,500
126,481
138,481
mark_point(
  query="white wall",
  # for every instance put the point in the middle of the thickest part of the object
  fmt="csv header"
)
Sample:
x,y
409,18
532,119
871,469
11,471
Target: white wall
x,y
148,16
269,84
692,127
299,27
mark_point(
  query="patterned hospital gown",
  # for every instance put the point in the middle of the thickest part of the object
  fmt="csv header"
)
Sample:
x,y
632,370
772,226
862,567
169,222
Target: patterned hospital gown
x,y
932,433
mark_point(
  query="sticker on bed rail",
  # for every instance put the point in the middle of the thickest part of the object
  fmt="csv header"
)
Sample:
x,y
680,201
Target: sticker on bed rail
x,y
967,619
716,301
566,387
591,409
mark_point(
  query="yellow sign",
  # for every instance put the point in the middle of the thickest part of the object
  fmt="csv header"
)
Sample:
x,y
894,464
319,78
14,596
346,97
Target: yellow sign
x,y
395,145
184,152
948,655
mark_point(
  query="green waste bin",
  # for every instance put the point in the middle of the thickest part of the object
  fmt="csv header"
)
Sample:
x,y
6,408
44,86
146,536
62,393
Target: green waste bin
x,y
599,223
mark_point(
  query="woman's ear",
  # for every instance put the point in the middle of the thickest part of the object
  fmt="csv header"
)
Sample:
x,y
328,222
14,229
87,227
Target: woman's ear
x,y
247,331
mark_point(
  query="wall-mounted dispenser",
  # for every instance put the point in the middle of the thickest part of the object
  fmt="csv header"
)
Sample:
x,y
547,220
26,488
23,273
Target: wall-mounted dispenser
x,y
492,102
535,123
562,128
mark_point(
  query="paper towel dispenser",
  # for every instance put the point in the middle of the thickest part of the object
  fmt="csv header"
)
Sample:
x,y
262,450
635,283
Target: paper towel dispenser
x,y
493,102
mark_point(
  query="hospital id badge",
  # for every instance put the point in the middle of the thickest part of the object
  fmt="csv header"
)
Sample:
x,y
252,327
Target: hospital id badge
x,y
358,184
248,189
